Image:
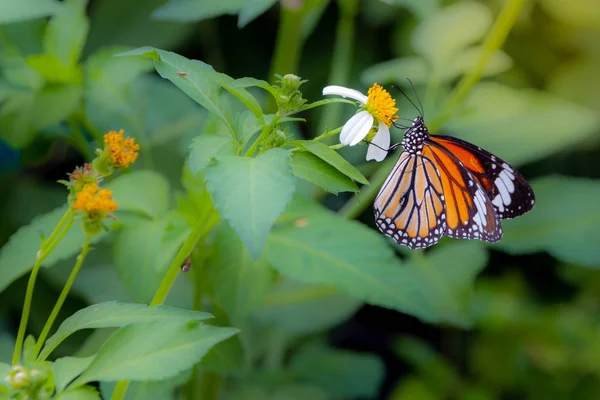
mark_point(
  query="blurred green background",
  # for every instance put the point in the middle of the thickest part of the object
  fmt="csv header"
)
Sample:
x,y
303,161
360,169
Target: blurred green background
x,y
529,325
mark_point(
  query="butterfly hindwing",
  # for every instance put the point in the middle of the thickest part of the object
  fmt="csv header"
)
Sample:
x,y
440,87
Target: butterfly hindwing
x,y
509,192
470,213
410,205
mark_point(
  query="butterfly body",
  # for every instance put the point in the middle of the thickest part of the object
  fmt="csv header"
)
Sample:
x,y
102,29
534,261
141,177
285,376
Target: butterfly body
x,y
446,186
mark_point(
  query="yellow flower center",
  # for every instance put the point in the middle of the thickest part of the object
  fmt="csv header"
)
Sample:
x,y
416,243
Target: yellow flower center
x,y
381,105
91,199
123,151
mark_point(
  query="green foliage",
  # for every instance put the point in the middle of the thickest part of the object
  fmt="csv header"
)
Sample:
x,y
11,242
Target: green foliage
x,y
21,10
238,186
313,169
565,223
125,355
113,314
342,373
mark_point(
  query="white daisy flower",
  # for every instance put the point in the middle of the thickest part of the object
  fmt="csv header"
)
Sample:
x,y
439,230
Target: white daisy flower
x,y
373,121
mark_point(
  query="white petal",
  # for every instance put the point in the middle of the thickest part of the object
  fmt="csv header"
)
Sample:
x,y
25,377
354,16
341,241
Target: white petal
x,y
345,92
356,128
381,139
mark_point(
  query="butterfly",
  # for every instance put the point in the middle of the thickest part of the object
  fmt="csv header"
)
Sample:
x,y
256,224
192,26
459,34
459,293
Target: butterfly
x,y
442,185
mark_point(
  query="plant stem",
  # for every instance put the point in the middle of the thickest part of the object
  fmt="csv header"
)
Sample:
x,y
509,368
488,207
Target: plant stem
x,y
342,59
266,131
63,295
289,40
492,43
210,386
328,134
204,225
79,140
46,248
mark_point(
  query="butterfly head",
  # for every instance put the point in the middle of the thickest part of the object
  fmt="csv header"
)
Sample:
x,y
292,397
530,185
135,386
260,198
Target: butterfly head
x,y
415,136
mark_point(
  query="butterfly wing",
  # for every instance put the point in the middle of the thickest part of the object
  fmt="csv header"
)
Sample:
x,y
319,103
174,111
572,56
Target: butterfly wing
x,y
470,213
410,205
510,193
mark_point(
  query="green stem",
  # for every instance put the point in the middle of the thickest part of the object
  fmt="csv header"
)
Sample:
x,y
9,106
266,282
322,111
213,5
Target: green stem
x,y
210,386
266,131
204,225
45,249
342,59
79,141
289,40
63,295
328,134
492,43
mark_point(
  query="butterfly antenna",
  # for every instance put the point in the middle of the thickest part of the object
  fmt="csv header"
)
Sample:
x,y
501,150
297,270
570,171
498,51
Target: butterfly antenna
x,y
392,148
408,98
417,96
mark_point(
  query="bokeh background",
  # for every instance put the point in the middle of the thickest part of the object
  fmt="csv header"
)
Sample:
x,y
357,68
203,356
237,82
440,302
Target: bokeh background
x,y
530,325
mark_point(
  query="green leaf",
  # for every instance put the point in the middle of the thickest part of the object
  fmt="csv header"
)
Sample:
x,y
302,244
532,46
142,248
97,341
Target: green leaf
x,y
252,9
66,32
226,358
199,81
146,192
149,390
68,368
327,249
253,82
496,118
18,255
251,193
196,10
205,147
333,158
246,125
344,374
113,314
239,283
304,309
143,251
153,351
51,105
4,370
394,71
53,70
80,393
313,169
12,11
443,35
564,222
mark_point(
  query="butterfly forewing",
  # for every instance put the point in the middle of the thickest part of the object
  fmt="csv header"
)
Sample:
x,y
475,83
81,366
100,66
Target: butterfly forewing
x,y
509,192
410,205
470,213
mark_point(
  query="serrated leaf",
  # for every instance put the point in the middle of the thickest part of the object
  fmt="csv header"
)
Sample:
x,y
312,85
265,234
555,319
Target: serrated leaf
x,y
199,81
12,11
344,374
239,282
334,159
251,193
252,9
303,309
313,169
322,248
565,222
445,33
18,255
113,314
495,117
68,368
196,10
205,147
153,351
225,358
80,393
146,192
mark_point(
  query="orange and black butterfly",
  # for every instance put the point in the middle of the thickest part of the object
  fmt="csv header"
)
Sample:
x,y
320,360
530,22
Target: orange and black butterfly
x,y
442,185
